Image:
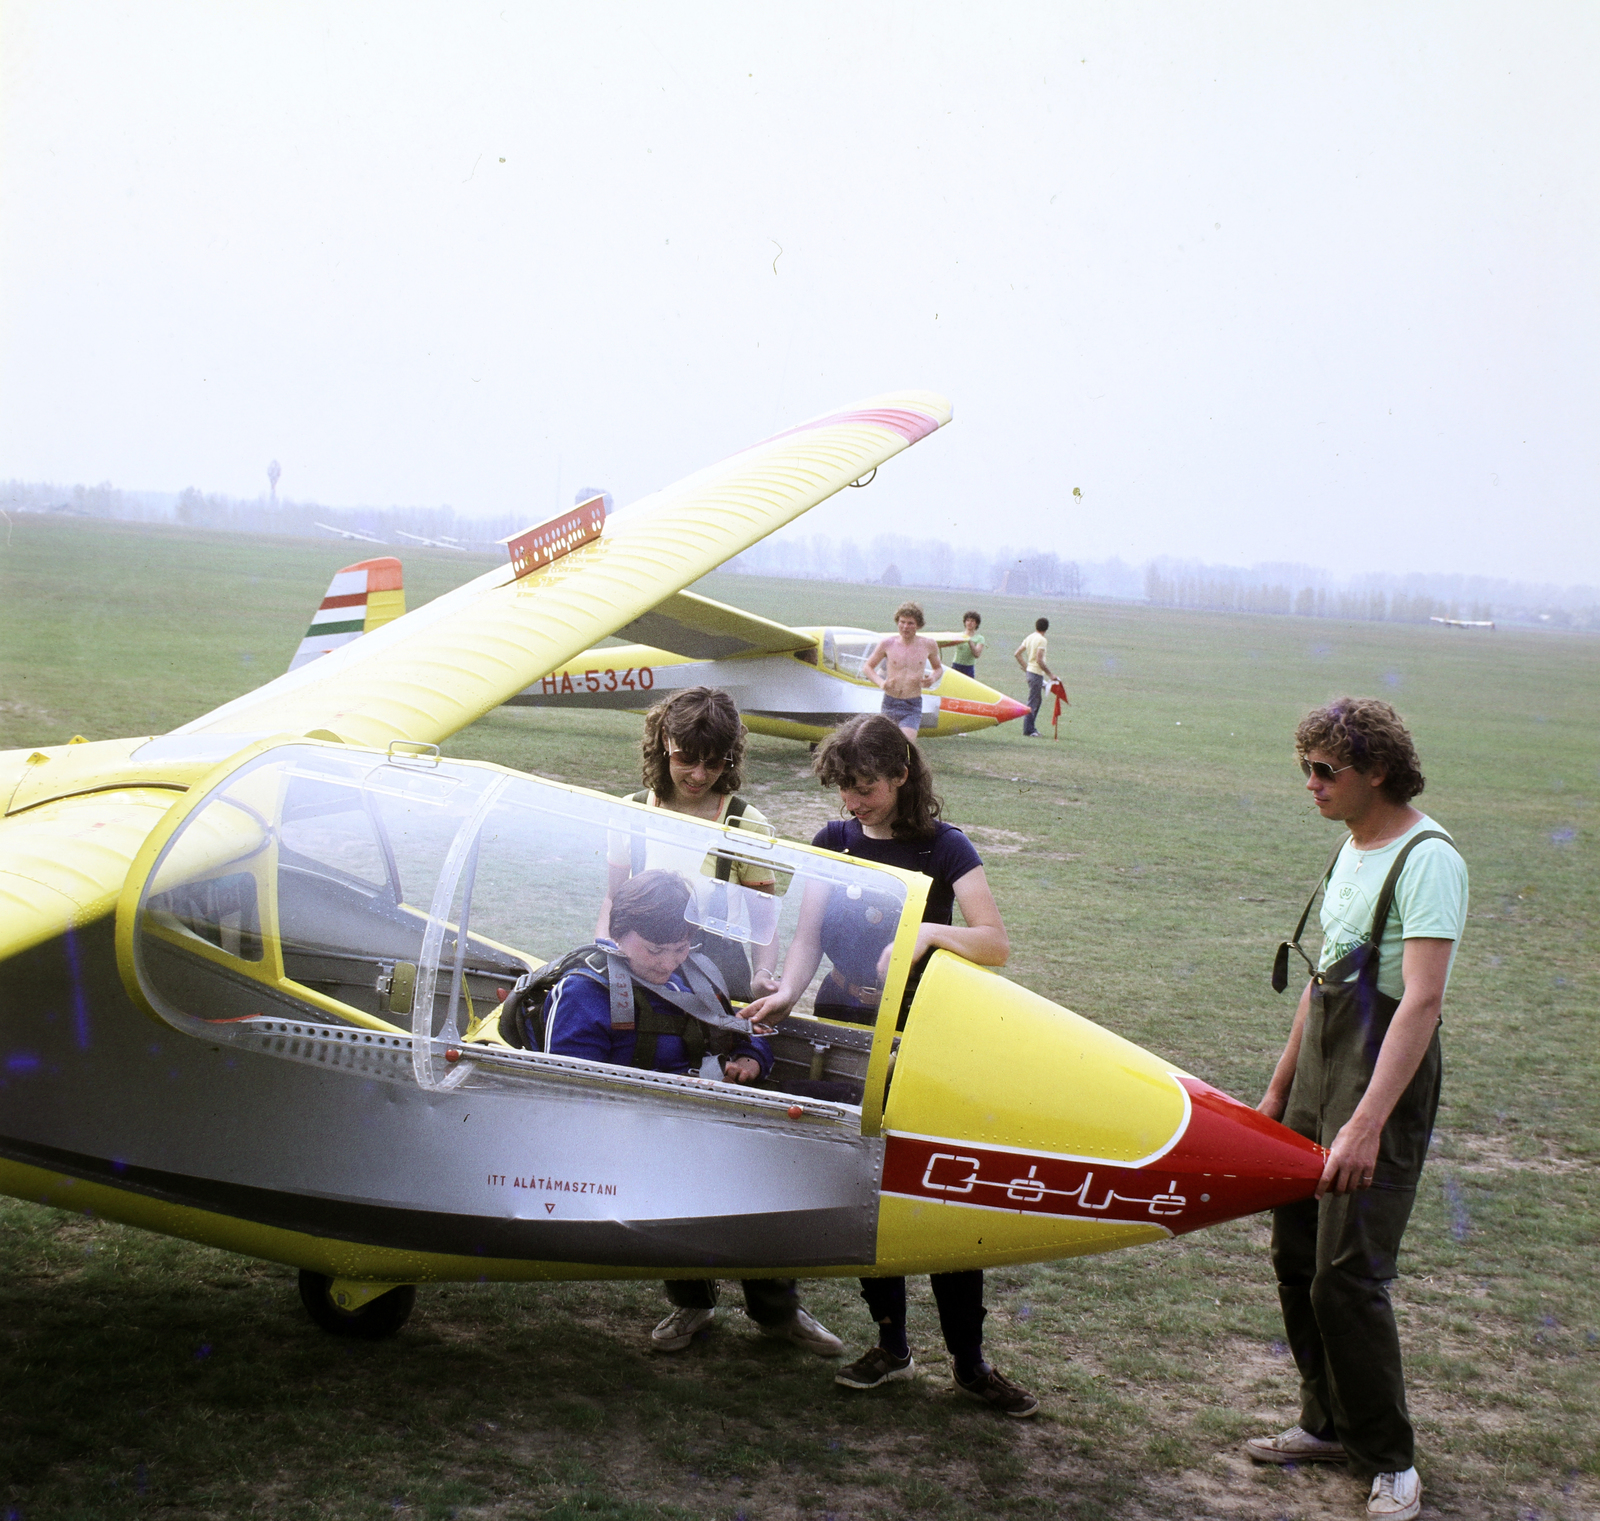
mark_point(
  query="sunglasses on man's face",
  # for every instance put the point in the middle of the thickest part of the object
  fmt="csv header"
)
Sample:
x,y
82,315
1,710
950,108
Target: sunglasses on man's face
x,y
1321,770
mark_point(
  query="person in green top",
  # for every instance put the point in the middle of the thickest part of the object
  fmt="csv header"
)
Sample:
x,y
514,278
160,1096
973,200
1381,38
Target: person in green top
x,y
965,656
1360,1075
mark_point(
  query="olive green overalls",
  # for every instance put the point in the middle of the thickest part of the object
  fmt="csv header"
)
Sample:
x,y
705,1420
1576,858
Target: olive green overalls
x,y
1336,1258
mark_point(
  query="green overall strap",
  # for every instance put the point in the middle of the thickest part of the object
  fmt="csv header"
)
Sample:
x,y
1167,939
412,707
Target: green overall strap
x,y
736,808
636,842
1380,914
1280,962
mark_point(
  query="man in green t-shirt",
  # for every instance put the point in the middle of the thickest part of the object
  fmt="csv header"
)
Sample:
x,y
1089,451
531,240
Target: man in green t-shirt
x,y
1360,1075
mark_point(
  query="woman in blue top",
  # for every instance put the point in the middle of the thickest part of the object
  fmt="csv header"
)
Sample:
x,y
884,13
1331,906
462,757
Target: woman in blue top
x,y
887,792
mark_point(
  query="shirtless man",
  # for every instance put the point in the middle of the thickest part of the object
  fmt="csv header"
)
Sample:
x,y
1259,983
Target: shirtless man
x,y
902,656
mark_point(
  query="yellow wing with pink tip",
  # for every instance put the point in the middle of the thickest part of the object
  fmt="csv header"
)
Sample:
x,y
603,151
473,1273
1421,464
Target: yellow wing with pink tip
x,y
445,665
423,676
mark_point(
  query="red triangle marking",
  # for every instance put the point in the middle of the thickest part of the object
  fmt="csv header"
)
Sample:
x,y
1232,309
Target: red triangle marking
x,y
549,1209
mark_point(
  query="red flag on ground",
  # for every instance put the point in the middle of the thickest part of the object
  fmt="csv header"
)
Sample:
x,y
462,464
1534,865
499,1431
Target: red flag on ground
x,y
1059,692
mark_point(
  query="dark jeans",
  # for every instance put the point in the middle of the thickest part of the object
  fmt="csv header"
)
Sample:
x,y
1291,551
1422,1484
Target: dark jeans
x,y
966,670
1334,1262
1030,725
767,1301
960,1300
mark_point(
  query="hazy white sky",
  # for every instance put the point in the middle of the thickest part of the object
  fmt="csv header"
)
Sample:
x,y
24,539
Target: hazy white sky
x,y
1304,282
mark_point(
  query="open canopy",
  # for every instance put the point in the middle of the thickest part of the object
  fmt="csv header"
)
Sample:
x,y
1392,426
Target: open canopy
x,y
405,894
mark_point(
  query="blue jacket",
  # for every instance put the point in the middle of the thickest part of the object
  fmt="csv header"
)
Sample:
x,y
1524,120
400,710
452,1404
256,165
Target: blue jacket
x,y
578,1016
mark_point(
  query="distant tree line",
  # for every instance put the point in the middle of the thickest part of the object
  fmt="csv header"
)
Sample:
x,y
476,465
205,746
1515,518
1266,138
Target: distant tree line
x,y
1224,589
898,560
302,518
198,509
102,501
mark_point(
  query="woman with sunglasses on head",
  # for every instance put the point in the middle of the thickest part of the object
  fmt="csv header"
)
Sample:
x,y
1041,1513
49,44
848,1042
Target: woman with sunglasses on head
x,y
693,757
887,792
692,763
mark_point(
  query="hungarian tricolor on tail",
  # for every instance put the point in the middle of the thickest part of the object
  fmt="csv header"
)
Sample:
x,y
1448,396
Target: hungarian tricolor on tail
x,y
360,598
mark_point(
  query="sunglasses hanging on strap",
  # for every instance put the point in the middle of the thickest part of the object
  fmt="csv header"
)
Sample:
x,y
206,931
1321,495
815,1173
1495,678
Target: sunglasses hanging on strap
x,y
1280,962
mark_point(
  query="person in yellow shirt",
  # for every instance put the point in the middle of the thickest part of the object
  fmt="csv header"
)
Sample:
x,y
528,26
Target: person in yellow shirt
x,y
1030,656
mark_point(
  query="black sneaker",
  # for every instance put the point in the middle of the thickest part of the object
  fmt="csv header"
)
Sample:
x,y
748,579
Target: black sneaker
x,y
874,1368
998,1392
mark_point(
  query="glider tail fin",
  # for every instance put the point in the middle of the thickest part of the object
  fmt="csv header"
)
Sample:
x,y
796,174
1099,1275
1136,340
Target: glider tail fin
x,y
360,598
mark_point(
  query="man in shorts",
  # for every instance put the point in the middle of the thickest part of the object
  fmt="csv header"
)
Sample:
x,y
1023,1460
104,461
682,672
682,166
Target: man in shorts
x,y
1360,1075
1030,656
903,656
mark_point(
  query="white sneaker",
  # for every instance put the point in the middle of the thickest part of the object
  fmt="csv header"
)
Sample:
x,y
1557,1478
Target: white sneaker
x,y
1396,1496
680,1328
805,1330
1294,1446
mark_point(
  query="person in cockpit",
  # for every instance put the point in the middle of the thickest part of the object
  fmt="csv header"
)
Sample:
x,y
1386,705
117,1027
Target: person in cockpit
x,y
660,1032
652,933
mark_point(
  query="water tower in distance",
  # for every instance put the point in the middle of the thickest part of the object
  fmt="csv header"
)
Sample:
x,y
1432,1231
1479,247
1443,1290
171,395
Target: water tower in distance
x,y
273,472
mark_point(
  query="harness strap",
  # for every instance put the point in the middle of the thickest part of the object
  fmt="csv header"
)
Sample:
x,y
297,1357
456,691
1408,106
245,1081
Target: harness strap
x,y
620,980
1380,914
1280,962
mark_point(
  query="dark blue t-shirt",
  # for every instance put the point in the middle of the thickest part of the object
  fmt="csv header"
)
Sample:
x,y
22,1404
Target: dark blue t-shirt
x,y
946,855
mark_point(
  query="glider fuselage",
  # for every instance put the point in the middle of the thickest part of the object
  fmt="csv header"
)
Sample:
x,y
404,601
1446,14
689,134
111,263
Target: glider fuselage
x,y
281,1043
800,695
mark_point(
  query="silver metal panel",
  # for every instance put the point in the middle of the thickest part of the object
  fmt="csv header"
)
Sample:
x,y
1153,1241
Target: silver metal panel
x,y
566,1169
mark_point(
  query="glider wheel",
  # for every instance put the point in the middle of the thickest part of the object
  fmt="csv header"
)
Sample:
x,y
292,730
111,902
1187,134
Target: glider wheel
x,y
375,1319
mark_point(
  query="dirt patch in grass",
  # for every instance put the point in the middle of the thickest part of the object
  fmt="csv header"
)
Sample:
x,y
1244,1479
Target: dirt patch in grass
x,y
998,842
796,816
1492,1153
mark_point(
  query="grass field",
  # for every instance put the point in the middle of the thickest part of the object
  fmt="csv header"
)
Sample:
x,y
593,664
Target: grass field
x,y
1146,865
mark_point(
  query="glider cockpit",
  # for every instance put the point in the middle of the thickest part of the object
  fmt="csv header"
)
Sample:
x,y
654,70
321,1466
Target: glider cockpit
x,y
372,912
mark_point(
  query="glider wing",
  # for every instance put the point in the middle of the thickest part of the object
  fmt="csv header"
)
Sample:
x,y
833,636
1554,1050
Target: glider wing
x,y
65,861
443,666
700,629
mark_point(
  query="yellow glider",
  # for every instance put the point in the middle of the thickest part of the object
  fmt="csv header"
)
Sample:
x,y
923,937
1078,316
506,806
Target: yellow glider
x,y
251,968
794,683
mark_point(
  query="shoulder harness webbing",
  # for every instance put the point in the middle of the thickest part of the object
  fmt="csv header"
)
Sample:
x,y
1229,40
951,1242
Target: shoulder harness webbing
x,y
703,1021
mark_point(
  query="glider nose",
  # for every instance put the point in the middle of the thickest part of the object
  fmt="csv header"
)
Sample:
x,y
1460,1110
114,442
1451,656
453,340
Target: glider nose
x,y
1010,708
1231,1160
1053,1137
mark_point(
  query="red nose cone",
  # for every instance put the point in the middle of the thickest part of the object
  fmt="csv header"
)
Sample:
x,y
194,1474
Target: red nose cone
x,y
1228,1160
1010,708
1232,1160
